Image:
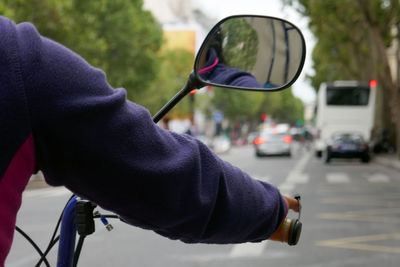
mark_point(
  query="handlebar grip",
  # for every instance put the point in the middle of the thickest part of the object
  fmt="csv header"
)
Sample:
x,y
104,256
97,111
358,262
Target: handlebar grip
x,y
289,231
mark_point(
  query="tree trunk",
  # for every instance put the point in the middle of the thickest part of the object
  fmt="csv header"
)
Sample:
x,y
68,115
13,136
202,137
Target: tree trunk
x,y
386,83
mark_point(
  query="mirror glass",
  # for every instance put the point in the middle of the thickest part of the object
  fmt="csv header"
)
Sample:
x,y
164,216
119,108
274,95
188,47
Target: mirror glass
x,y
251,52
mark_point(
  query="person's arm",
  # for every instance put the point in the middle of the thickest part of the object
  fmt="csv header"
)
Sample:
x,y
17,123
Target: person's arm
x,y
217,72
223,74
89,138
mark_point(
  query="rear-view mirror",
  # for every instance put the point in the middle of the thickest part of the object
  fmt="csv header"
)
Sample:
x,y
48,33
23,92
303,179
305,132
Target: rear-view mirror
x,y
251,53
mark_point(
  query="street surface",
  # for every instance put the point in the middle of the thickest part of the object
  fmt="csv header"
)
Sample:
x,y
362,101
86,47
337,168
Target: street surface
x,y
350,216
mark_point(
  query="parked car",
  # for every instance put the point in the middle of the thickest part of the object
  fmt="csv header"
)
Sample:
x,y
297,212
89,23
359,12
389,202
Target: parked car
x,y
347,145
273,142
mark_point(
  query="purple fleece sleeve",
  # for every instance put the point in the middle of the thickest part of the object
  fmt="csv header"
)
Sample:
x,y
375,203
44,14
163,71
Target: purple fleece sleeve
x,y
231,76
219,73
89,138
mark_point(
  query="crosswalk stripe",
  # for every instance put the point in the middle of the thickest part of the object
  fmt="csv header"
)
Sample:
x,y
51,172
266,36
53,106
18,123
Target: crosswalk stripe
x,y
247,250
378,178
298,178
337,177
342,178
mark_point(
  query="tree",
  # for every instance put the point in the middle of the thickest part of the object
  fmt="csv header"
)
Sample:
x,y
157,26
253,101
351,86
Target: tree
x,y
282,106
240,44
352,41
236,104
117,36
47,15
343,49
380,17
175,69
121,38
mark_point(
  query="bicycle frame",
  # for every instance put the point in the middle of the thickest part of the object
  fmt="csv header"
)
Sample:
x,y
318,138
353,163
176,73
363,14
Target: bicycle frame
x,y
66,245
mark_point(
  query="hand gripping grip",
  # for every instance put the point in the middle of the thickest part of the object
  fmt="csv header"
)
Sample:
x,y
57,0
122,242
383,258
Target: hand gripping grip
x,y
290,229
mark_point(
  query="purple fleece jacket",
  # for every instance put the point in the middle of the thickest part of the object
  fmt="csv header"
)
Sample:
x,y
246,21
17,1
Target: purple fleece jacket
x,y
221,74
59,115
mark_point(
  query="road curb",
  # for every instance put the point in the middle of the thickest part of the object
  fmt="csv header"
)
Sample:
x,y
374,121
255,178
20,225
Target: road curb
x,y
389,162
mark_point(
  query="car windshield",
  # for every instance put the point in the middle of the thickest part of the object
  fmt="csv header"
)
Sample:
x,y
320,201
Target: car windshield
x,y
347,137
271,136
347,96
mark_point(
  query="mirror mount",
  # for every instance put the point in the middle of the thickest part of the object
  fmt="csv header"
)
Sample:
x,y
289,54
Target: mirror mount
x,y
192,83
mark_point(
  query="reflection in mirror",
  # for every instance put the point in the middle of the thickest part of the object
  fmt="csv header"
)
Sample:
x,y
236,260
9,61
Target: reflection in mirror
x,y
254,52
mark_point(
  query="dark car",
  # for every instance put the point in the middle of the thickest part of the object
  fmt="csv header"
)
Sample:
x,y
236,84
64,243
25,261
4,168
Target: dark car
x,y
347,145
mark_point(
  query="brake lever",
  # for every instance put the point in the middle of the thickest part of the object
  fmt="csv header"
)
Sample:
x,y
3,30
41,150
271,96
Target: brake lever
x,y
298,198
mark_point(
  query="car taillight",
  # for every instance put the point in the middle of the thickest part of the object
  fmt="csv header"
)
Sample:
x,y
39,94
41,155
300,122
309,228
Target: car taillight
x,y
287,139
363,146
335,146
260,140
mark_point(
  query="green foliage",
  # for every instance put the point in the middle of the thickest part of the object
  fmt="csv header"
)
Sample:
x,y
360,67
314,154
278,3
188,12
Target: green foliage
x,y
240,45
236,103
292,108
281,106
338,27
172,76
114,35
47,15
352,41
346,47
119,37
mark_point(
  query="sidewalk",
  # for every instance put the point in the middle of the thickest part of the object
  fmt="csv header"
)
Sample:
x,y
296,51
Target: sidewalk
x,y
389,160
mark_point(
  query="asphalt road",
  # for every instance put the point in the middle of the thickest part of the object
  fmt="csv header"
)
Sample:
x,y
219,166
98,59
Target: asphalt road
x,y
351,217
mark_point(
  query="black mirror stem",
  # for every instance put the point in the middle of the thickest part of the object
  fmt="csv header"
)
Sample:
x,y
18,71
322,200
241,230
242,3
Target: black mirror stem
x,y
192,83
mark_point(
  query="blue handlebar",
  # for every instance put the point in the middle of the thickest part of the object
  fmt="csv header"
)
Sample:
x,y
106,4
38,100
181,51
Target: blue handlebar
x,y
67,236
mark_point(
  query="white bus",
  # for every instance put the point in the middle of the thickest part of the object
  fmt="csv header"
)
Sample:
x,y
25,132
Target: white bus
x,y
344,106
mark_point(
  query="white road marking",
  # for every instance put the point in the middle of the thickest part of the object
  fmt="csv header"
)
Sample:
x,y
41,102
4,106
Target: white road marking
x,y
378,178
342,178
337,178
247,250
298,178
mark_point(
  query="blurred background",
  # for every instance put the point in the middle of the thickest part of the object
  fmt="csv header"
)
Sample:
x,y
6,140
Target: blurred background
x,y
148,47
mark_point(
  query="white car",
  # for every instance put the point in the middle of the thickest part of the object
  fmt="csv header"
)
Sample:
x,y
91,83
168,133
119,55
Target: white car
x,y
270,142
